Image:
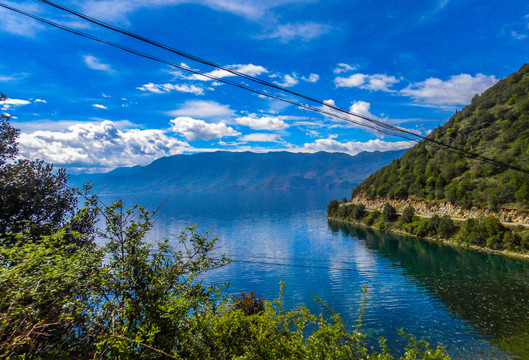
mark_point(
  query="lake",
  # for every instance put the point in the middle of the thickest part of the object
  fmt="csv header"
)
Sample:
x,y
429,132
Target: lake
x,y
475,304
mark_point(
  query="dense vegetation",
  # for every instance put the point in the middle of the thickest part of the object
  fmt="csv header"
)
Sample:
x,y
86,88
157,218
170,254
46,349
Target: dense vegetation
x,y
487,232
64,297
495,125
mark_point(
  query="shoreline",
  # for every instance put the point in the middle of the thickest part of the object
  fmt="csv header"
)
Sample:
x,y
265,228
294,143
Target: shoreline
x,y
391,230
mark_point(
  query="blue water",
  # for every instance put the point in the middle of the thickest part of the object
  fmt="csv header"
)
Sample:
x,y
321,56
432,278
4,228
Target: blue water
x,y
474,304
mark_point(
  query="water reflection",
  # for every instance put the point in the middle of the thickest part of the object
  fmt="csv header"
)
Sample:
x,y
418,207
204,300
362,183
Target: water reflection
x,y
490,292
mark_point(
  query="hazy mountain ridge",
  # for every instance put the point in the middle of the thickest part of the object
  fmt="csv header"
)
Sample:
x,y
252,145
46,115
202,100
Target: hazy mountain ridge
x,y
495,125
232,171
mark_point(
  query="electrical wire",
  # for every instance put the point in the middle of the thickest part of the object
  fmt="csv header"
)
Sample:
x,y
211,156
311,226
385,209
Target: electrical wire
x,y
377,125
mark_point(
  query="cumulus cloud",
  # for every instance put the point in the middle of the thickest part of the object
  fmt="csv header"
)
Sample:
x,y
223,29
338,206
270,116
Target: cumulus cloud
x,y
298,31
248,69
166,88
202,109
193,129
362,108
355,147
312,78
288,80
376,82
99,145
343,67
259,138
458,90
98,106
41,101
262,123
95,64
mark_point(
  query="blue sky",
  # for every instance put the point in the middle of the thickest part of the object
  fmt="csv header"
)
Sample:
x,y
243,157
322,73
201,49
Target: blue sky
x,y
90,107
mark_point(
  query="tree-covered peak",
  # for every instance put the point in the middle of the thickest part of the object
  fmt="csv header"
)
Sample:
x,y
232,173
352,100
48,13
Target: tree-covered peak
x,y
494,125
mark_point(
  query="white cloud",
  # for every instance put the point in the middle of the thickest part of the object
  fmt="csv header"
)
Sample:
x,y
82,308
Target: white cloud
x,y
458,90
98,106
248,69
95,64
117,10
298,31
10,103
40,101
193,129
362,108
17,24
288,80
99,145
342,68
259,138
312,78
7,78
166,88
355,147
203,109
262,123
380,82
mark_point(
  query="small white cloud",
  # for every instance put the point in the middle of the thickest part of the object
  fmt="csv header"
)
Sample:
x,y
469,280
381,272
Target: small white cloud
x,y
259,138
288,81
193,129
458,90
247,69
202,109
342,68
262,123
40,101
166,88
11,103
312,78
98,106
376,82
95,64
298,31
355,147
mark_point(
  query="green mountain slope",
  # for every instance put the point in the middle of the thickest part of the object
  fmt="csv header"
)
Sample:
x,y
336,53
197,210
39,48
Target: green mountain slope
x,y
495,125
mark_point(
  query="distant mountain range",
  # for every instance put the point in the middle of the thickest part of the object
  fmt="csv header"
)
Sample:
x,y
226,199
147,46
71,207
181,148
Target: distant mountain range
x,y
235,171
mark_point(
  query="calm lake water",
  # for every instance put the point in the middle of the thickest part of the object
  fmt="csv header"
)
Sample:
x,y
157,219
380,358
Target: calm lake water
x,y
475,304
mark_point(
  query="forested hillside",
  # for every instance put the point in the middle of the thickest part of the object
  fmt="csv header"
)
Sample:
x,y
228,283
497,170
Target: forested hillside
x,y
494,125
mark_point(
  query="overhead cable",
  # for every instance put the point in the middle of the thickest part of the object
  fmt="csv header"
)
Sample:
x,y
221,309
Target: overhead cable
x,y
374,124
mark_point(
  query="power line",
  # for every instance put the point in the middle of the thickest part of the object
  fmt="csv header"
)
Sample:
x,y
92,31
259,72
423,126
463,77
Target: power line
x,y
382,126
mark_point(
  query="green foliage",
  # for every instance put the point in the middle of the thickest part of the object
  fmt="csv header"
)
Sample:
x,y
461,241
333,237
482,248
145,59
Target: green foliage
x,y
407,215
332,207
496,125
389,213
250,305
134,300
33,197
359,211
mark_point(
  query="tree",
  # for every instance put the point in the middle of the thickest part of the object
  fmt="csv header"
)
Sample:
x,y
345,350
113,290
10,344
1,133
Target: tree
x,y
332,207
407,215
389,213
33,196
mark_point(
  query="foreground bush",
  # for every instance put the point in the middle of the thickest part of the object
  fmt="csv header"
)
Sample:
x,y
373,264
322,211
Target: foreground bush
x,y
132,300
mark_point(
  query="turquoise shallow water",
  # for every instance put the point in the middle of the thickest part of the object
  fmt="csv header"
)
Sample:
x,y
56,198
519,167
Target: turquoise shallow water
x,y
475,304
